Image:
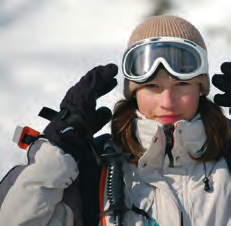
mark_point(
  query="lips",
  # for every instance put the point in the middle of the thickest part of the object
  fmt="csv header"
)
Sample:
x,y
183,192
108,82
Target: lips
x,y
168,119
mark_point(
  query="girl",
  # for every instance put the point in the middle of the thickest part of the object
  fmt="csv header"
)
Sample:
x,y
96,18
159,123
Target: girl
x,y
176,137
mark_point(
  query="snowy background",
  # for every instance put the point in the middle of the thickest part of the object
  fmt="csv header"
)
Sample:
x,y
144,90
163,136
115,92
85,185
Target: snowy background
x,y
46,46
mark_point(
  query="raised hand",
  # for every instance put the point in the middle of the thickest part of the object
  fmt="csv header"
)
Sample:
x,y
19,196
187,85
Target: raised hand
x,y
80,102
223,82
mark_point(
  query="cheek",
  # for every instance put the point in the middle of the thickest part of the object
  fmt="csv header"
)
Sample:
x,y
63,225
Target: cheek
x,y
189,105
146,104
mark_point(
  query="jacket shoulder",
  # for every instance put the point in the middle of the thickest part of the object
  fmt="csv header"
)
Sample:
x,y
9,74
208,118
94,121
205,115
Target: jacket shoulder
x,y
10,178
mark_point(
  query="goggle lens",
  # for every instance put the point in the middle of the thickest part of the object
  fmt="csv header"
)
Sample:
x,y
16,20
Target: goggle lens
x,y
181,58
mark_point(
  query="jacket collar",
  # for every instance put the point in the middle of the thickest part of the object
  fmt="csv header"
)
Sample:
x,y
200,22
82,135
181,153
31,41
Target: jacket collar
x,y
189,139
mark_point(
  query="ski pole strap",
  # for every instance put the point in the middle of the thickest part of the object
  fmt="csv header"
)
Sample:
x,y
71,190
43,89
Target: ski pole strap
x,y
48,113
73,120
64,114
150,221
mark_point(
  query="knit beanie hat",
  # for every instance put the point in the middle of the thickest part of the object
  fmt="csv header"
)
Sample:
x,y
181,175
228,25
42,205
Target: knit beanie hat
x,y
166,26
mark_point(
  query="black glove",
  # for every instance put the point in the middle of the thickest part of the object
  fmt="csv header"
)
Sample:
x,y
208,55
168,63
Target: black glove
x,y
78,106
223,82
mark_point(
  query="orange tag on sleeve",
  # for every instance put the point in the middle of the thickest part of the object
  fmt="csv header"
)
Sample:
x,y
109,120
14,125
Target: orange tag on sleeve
x,y
24,136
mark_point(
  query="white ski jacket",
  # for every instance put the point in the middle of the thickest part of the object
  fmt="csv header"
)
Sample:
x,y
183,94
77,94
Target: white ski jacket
x,y
169,195
166,193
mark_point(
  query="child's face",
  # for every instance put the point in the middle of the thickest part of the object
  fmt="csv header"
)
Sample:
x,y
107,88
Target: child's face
x,y
167,100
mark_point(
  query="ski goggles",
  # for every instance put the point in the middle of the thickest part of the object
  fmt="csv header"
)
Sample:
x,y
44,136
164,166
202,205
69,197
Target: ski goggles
x,y
182,58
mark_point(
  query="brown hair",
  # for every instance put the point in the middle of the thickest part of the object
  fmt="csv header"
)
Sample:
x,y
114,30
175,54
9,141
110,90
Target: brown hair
x,y
215,123
216,127
123,131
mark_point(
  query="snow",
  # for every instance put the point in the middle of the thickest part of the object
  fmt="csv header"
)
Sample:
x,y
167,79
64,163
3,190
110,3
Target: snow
x,y
46,46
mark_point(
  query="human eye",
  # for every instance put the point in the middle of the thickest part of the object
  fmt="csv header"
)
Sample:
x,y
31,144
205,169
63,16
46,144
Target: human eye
x,y
182,83
151,86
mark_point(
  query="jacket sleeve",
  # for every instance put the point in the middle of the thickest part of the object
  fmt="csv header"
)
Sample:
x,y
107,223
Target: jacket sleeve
x,y
35,198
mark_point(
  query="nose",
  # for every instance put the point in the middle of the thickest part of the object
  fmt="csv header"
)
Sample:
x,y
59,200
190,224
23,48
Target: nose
x,y
167,99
